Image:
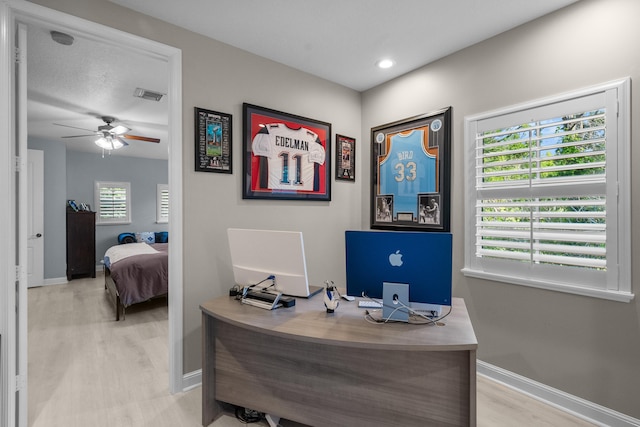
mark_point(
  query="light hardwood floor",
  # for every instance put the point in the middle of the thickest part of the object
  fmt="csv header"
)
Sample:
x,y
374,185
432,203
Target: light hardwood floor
x,y
86,369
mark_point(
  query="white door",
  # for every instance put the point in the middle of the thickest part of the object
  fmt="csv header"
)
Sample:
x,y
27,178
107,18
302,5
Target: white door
x,y
35,218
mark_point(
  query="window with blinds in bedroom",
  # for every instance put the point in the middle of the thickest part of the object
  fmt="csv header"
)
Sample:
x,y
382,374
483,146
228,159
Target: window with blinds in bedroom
x,y
113,202
162,204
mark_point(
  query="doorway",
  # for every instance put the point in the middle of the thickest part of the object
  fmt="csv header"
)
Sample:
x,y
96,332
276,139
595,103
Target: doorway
x,y
33,15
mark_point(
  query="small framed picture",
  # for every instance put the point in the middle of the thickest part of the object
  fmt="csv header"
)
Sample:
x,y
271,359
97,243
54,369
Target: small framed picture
x,y
345,158
213,141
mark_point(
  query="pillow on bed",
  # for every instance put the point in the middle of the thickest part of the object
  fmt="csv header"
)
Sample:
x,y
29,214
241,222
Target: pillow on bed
x,y
146,237
126,238
162,237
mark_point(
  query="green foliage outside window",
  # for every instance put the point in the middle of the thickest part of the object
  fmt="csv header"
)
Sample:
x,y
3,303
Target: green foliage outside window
x,y
561,230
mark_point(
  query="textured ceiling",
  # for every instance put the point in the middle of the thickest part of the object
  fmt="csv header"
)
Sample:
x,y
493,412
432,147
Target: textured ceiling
x,y
76,85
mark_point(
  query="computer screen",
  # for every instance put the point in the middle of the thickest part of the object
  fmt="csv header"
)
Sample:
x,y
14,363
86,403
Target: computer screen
x,y
420,259
258,254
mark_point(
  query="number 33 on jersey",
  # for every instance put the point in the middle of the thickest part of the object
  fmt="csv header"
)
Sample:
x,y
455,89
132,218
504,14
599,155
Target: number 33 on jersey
x,y
406,170
289,158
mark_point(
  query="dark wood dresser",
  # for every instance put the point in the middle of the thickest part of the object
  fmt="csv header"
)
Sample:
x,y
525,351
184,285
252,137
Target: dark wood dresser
x,y
81,244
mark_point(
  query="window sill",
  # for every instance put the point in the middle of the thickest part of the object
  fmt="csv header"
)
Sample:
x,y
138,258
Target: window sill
x,y
577,290
114,223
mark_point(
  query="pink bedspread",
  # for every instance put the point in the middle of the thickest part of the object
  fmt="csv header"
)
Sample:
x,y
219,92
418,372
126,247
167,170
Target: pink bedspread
x,y
142,277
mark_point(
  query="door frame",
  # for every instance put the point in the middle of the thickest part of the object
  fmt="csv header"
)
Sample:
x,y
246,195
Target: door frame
x,y
11,12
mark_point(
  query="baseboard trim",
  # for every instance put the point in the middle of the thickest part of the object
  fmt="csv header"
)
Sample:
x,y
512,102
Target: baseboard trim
x,y
581,408
191,380
55,281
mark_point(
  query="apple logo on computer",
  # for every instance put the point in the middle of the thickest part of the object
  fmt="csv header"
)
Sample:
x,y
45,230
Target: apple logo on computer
x,y
395,259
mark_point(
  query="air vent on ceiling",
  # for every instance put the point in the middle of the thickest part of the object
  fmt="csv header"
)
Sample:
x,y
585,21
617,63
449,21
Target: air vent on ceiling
x,y
148,94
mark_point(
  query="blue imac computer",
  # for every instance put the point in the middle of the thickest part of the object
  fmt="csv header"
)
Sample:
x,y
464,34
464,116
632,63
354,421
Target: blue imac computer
x,y
419,262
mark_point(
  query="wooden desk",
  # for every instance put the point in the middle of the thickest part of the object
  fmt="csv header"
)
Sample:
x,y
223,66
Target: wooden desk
x,y
321,369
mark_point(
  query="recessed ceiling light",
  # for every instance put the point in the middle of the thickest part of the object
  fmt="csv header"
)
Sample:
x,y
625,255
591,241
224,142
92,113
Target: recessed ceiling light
x,y
385,63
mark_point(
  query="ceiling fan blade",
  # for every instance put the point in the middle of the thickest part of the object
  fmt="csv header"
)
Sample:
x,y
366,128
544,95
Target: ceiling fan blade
x,y
73,127
140,138
77,136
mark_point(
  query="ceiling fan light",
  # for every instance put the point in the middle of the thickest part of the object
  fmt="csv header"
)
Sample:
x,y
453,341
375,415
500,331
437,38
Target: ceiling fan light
x,y
110,143
117,143
103,143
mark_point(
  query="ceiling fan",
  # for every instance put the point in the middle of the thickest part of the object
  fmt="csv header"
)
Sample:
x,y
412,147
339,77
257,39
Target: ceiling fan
x,y
110,137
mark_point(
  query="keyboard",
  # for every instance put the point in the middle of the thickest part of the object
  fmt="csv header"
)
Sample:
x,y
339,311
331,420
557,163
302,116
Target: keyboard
x,y
367,303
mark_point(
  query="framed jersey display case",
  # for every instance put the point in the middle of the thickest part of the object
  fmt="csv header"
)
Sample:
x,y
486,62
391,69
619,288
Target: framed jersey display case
x,y
411,173
285,156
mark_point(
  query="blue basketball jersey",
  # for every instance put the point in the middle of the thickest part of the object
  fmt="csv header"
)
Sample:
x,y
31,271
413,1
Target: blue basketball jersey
x,y
406,170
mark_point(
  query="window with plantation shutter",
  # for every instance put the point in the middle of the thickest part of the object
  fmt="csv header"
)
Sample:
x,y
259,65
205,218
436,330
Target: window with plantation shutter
x,y
113,202
162,204
548,193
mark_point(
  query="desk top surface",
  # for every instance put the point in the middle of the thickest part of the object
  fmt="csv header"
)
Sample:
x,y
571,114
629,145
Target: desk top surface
x,y
308,321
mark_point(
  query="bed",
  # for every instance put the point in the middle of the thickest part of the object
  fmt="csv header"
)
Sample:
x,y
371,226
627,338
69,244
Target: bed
x,y
136,272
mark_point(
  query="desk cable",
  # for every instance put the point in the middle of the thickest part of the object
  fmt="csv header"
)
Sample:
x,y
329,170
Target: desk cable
x,y
273,283
413,313
239,292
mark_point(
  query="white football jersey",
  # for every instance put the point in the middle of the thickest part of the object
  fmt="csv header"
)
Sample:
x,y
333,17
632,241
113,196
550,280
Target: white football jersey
x,y
293,157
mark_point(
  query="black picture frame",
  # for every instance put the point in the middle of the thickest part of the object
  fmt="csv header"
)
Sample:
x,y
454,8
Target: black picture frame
x,y
285,156
411,173
345,158
214,142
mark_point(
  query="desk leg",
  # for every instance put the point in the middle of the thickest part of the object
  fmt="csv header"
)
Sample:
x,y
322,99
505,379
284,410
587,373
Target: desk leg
x,y
272,420
211,409
472,388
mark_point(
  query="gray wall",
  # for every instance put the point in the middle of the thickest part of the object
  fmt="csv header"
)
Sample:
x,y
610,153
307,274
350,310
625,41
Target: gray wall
x,y
584,346
55,193
83,169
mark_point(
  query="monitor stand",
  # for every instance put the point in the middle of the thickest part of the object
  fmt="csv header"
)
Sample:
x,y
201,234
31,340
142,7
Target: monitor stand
x,y
395,299
315,290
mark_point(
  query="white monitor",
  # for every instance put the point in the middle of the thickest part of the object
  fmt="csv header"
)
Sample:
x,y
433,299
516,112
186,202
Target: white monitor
x,y
258,254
